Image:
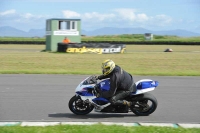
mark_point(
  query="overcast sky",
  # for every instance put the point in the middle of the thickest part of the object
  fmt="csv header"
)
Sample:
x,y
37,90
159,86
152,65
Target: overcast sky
x,y
150,14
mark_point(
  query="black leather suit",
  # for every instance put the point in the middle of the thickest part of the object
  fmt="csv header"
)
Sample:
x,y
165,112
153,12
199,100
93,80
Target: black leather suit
x,y
121,85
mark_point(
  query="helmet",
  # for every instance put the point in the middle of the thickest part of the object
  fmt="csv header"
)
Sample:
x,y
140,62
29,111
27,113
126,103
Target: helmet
x,y
107,66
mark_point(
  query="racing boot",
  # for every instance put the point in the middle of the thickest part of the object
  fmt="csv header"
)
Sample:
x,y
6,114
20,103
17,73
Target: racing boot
x,y
127,103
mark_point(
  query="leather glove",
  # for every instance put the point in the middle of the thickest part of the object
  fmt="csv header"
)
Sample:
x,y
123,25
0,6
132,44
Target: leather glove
x,y
98,95
93,80
97,77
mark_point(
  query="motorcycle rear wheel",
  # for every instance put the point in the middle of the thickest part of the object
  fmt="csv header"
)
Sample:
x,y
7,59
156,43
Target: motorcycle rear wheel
x,y
78,107
145,105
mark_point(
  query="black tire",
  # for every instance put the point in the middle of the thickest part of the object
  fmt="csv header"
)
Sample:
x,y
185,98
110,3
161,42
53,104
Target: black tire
x,y
78,107
146,104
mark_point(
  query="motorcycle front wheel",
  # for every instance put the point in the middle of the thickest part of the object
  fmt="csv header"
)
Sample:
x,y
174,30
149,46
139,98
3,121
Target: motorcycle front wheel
x,y
78,106
144,105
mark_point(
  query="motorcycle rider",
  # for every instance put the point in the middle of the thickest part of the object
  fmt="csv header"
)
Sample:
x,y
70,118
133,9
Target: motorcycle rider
x,y
121,83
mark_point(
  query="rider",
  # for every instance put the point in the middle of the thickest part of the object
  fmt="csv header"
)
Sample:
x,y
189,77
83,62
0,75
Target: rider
x,y
121,83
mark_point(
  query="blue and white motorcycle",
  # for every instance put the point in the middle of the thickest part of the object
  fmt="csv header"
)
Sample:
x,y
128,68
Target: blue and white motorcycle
x,y
85,100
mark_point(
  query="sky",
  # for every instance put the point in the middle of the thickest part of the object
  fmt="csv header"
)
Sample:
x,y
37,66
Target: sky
x,y
153,15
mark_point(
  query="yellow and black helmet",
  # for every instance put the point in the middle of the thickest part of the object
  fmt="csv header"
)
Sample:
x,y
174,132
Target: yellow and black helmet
x,y
107,66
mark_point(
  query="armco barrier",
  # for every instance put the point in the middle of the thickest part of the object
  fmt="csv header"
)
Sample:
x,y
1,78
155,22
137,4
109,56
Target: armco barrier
x,y
173,125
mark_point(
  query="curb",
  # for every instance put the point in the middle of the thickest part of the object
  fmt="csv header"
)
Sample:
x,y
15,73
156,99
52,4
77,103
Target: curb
x,y
173,125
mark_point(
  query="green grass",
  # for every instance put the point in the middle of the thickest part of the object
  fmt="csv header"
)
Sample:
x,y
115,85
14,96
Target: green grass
x,y
21,39
95,129
124,37
140,37
138,60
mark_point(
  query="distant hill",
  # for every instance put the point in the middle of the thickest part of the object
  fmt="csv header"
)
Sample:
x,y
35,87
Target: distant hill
x,y
37,32
13,32
10,31
117,31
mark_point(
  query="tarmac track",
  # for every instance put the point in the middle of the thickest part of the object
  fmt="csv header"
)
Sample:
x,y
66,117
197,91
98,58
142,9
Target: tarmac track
x,y
35,97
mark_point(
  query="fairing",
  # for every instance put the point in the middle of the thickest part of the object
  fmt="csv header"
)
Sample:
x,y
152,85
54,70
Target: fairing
x,y
84,89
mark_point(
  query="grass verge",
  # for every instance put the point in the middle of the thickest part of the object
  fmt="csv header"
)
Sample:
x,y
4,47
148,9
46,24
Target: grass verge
x,y
124,37
96,129
138,60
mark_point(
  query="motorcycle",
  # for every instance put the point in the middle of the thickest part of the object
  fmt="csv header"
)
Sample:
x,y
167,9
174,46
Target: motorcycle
x,y
85,100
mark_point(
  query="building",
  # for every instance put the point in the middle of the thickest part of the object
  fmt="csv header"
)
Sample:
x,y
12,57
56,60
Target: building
x,y
57,29
148,36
